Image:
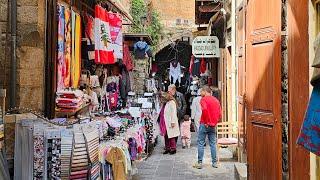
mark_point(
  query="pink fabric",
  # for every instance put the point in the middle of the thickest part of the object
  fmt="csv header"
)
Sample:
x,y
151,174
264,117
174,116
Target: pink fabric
x,y
162,123
185,129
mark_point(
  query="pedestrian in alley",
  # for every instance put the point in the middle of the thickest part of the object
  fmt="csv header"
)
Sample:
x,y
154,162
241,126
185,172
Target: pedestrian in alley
x,y
181,103
211,114
196,110
169,126
186,132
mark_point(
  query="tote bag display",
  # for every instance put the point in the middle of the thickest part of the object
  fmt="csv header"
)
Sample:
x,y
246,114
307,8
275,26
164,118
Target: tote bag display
x,y
103,48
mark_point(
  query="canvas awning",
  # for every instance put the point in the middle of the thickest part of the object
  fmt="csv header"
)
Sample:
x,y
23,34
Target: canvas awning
x,y
117,4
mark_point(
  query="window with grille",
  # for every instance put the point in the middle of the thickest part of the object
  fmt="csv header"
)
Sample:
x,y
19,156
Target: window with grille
x,y
178,22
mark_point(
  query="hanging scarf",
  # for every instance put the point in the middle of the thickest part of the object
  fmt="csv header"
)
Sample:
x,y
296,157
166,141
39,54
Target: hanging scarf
x,y
61,49
67,73
76,53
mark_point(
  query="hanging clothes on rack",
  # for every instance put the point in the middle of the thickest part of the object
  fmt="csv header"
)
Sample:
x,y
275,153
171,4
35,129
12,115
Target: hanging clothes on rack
x,y
175,72
203,66
89,34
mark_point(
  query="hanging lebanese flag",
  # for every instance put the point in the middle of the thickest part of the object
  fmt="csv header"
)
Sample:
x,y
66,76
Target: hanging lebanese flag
x,y
115,22
103,49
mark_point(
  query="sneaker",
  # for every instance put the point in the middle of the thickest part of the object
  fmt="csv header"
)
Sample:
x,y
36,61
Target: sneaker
x,y
197,165
183,147
215,165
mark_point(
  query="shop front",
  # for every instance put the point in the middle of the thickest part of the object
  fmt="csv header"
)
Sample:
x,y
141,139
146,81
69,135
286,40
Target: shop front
x,y
95,114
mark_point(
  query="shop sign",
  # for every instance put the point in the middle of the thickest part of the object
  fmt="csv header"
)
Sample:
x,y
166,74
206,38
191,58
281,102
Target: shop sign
x,y
206,47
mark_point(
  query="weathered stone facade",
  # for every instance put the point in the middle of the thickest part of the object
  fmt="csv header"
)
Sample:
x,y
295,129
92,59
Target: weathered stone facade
x,y
30,52
171,11
140,73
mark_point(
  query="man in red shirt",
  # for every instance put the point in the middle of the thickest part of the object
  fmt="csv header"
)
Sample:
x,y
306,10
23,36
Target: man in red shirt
x,y
211,114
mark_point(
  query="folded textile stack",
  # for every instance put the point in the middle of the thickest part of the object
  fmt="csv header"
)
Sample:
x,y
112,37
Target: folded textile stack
x,y
69,99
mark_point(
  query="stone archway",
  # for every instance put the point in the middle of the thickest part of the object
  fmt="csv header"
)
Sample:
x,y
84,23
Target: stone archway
x,y
173,36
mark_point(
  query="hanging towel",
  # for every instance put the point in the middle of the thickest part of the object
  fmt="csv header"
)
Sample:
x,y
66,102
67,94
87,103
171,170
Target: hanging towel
x,y
309,136
67,48
115,21
127,60
175,73
103,52
76,52
61,49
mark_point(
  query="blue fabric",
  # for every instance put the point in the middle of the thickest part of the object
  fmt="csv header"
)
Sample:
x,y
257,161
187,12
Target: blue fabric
x,y
203,133
140,50
309,136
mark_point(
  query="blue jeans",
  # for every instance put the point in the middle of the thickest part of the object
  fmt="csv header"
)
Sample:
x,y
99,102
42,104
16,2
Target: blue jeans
x,y
203,132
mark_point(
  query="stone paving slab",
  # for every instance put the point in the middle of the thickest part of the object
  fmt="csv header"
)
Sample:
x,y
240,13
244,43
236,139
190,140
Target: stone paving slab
x,y
179,166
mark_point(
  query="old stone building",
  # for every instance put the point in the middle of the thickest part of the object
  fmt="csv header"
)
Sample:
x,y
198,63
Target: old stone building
x,y
175,13
30,51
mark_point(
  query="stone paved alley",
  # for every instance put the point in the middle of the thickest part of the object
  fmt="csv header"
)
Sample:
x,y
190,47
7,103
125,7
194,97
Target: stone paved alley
x,y
179,166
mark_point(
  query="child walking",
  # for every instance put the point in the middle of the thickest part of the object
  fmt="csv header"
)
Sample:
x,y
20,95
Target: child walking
x,y
185,132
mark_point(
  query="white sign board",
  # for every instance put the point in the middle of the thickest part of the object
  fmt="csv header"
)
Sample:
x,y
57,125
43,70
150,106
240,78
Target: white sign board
x,y
206,47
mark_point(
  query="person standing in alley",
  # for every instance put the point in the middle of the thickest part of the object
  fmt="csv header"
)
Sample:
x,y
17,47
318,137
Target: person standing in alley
x,y
211,114
169,127
181,103
185,132
196,110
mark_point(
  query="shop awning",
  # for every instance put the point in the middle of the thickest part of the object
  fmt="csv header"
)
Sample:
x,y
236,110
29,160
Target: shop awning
x,y
117,4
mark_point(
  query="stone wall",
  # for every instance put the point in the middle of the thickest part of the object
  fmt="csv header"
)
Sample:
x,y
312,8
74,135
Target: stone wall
x,y
284,93
30,52
140,73
171,10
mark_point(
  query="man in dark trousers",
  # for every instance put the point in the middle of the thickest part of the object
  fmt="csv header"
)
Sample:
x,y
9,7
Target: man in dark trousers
x,y
211,115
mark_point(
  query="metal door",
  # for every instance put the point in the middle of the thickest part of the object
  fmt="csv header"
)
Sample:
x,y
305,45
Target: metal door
x,y
263,89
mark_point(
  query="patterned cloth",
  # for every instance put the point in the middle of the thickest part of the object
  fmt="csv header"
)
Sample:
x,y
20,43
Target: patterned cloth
x,y
309,136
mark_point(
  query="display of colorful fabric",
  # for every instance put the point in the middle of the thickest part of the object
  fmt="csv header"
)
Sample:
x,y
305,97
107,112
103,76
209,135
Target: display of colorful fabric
x,y
309,136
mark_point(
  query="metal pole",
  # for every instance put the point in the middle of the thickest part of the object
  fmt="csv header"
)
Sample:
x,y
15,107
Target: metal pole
x,y
13,75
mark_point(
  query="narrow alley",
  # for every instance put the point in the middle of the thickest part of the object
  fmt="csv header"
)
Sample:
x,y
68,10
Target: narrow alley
x,y
179,166
118,89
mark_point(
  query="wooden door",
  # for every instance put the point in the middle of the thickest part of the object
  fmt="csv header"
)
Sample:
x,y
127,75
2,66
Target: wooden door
x,y
263,89
241,81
